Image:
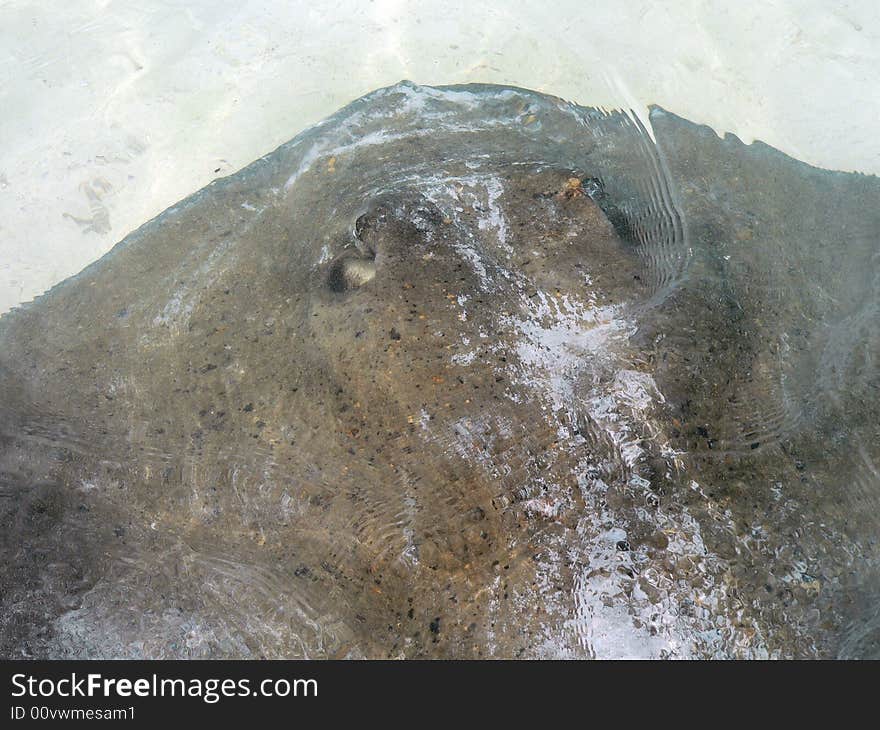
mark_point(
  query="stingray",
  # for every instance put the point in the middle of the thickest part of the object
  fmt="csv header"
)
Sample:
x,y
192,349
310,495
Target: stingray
x,y
459,372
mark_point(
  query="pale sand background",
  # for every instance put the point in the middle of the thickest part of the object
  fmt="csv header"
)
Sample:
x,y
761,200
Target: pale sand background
x,y
110,111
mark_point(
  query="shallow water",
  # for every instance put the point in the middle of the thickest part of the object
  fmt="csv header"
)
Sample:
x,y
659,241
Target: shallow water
x,y
469,371
113,111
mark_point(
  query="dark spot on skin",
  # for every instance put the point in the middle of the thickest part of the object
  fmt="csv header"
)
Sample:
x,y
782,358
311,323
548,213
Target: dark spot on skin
x,y
336,279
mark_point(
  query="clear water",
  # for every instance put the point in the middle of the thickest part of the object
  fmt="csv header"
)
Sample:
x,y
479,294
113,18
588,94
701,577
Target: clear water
x,y
459,372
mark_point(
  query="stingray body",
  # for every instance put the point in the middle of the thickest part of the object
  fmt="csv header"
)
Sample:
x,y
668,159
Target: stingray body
x,y
459,372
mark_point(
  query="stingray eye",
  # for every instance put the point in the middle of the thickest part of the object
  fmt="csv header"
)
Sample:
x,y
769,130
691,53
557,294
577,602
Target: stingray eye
x,y
351,272
368,225
358,266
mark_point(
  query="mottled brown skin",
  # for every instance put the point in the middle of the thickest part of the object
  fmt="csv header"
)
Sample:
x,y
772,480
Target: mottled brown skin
x,y
389,341
255,430
336,424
